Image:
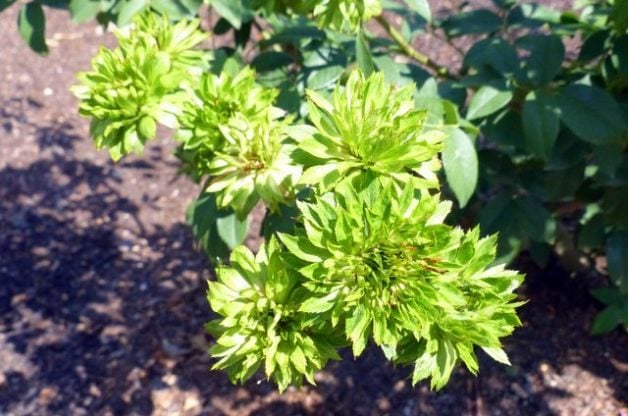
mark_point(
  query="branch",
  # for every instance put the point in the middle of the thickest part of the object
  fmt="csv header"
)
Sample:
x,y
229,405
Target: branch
x,y
410,52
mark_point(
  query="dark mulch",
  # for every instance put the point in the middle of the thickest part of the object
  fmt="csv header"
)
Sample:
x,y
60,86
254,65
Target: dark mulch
x,y
102,293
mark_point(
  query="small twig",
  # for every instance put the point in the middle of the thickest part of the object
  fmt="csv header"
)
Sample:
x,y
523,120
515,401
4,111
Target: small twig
x,y
411,52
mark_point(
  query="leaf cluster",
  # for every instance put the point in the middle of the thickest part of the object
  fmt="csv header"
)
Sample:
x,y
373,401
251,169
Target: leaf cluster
x,y
357,249
136,85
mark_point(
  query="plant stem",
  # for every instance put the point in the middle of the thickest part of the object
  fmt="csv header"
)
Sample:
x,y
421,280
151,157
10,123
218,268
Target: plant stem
x,y
410,52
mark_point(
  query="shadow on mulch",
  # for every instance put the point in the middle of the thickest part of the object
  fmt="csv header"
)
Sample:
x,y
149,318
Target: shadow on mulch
x,y
84,316
94,320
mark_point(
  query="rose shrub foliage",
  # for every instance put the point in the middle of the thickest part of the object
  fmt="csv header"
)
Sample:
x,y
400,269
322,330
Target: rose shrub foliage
x,y
338,126
368,255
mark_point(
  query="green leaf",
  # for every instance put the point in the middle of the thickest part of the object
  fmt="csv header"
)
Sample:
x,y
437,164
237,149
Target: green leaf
x,y
202,216
363,54
422,8
232,231
546,56
271,60
83,10
607,320
461,165
128,9
617,258
534,220
446,358
177,9
609,295
486,101
32,27
594,45
231,10
358,329
493,54
325,77
147,128
619,15
472,22
4,4
497,354
424,366
541,123
592,114
318,305
591,233
532,15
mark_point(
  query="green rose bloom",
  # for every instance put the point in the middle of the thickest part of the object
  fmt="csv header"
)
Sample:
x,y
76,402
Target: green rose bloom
x,y
369,127
258,300
137,85
217,100
341,15
254,164
383,264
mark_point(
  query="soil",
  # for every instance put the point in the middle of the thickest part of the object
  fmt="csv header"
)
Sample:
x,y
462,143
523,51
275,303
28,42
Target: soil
x,y
102,293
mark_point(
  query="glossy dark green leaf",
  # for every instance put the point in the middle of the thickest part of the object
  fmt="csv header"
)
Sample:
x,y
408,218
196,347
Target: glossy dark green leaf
x,y
617,258
202,217
231,10
271,60
592,114
326,77
619,15
594,45
545,59
607,320
422,8
4,4
609,295
541,123
562,185
591,233
232,231
177,9
281,221
619,56
295,35
460,161
615,206
84,10
32,27
486,101
363,54
499,216
505,129
532,15
535,220
493,53
128,9
472,22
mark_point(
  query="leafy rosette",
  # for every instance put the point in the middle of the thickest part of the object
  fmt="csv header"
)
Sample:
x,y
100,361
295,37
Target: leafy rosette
x,y
127,93
345,15
136,85
369,127
341,15
254,164
179,40
383,265
258,300
217,100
